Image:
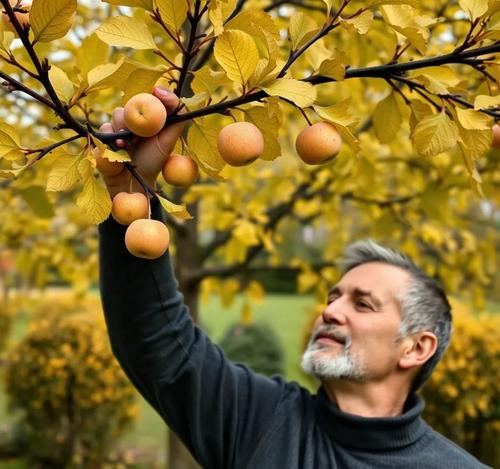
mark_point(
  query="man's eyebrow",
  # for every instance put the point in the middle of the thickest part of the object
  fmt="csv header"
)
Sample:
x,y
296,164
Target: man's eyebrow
x,y
335,290
360,292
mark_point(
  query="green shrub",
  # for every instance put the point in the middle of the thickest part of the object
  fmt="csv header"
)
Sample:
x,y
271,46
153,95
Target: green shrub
x,y
74,399
255,345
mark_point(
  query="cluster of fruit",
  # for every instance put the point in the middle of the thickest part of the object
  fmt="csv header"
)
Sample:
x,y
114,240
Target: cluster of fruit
x,y
239,144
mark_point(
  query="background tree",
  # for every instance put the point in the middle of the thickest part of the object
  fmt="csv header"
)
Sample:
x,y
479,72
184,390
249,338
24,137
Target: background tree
x,y
411,86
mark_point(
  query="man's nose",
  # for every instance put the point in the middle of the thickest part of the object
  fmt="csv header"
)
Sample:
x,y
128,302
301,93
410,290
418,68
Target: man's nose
x,y
334,312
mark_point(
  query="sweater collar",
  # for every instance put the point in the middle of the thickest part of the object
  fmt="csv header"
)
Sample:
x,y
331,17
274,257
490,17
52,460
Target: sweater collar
x,y
372,433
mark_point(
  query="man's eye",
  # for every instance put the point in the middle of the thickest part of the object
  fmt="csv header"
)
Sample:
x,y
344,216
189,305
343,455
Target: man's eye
x,y
362,304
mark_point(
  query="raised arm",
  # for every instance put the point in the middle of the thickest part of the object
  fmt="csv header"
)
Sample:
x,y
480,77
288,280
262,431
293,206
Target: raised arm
x,y
211,403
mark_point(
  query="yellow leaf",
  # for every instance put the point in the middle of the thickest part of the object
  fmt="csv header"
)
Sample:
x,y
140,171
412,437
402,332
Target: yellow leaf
x,y
255,291
64,174
196,101
9,139
228,291
334,67
102,76
237,54
178,211
300,26
340,113
301,93
62,84
120,156
475,8
6,38
91,53
202,142
404,20
246,314
36,198
269,124
173,13
94,200
387,119
141,81
206,79
434,135
123,31
485,102
342,117
146,4
473,120
413,3
246,233
52,19
218,12
360,24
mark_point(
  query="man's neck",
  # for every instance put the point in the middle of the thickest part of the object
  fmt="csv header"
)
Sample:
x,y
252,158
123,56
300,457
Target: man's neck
x,y
367,399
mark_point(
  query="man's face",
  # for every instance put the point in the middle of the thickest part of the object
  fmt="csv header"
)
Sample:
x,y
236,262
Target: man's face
x,y
355,336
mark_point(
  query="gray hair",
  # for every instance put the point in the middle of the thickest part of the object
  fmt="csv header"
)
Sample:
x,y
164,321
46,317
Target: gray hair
x,y
424,304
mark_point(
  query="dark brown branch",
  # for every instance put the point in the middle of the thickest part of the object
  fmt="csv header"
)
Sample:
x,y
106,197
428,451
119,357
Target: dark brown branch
x,y
14,85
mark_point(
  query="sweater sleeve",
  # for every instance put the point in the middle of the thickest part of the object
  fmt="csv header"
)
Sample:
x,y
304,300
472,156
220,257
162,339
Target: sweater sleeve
x,y
219,409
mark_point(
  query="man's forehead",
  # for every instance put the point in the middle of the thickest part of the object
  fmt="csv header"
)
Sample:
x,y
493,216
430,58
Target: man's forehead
x,y
375,277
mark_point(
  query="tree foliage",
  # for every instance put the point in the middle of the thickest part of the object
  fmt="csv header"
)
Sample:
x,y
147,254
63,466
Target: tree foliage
x,y
411,86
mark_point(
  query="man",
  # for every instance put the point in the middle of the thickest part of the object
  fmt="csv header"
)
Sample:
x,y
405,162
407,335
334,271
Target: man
x,y
384,328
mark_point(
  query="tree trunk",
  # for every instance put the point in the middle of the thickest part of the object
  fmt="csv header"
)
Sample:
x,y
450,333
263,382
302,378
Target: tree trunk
x,y
186,259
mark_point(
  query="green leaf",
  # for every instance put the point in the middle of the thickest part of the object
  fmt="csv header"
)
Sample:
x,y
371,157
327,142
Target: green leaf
x,y
179,211
387,119
173,13
237,54
434,135
94,200
123,31
62,84
301,93
36,198
52,19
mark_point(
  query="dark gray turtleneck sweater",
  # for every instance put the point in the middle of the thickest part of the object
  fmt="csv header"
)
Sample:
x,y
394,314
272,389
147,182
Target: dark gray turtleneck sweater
x,y
228,416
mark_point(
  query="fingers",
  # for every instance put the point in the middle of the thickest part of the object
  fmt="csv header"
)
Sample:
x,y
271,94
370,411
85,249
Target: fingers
x,y
169,99
118,123
169,135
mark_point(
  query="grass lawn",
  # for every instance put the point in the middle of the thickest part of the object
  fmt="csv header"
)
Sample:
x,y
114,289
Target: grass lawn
x,y
288,314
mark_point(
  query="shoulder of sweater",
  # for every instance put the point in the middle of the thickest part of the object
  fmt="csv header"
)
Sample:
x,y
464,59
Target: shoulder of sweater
x,y
455,455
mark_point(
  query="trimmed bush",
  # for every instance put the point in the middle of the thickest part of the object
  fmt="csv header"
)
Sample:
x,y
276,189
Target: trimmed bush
x,y
74,399
256,345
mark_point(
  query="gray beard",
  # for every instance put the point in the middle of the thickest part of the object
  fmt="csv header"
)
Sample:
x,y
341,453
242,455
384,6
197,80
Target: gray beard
x,y
343,366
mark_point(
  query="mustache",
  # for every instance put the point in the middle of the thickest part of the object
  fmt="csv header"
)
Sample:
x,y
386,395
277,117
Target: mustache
x,y
332,332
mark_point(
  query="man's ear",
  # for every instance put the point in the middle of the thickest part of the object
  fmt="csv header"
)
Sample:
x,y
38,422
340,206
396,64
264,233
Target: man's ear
x,y
417,349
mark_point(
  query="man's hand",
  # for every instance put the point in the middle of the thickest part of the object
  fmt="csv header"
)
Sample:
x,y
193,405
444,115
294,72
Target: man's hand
x,y
147,154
